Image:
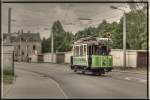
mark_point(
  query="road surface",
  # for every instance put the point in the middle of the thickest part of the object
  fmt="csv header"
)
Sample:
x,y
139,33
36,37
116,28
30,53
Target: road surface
x,y
43,80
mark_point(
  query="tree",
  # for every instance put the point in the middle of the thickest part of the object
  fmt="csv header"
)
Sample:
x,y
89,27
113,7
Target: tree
x,y
46,45
137,29
62,39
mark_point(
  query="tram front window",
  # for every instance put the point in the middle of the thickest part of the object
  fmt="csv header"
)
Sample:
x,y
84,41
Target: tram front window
x,y
97,50
103,50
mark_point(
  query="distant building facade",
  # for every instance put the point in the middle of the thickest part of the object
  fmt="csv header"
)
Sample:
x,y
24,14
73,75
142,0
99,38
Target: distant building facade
x,y
25,44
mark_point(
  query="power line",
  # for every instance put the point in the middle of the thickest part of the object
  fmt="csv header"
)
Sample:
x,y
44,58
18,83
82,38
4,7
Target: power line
x,y
107,18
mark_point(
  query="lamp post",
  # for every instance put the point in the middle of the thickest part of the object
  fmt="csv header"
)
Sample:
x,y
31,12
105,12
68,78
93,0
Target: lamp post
x,y
52,45
124,34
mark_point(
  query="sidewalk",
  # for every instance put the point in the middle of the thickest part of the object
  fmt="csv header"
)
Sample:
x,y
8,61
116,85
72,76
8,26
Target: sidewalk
x,y
32,85
131,70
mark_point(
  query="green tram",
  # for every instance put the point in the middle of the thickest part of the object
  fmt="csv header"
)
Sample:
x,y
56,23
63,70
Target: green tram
x,y
92,54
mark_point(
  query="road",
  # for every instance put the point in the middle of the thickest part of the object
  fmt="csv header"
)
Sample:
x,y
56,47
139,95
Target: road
x,y
43,80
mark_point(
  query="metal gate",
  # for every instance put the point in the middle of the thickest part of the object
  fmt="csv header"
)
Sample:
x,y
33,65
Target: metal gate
x,y
142,59
60,58
40,58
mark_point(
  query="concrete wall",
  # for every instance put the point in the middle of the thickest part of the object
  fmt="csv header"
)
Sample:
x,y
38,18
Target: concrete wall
x,y
7,56
131,57
48,57
67,56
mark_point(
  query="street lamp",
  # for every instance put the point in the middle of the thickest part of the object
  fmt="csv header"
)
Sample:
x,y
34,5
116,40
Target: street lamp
x,y
124,34
52,45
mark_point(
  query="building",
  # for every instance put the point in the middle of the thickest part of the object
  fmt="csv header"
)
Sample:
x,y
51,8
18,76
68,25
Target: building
x,y
25,44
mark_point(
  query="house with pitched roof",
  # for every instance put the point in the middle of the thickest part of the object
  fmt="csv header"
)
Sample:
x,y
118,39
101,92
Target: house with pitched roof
x,y
25,44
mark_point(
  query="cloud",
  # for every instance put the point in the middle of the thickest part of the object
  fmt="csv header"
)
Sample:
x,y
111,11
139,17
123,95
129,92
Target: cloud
x,y
37,17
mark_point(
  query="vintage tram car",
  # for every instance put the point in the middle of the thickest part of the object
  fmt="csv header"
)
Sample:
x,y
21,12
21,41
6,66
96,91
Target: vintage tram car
x,y
92,54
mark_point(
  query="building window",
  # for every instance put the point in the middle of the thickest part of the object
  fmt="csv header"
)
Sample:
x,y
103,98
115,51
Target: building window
x,y
34,47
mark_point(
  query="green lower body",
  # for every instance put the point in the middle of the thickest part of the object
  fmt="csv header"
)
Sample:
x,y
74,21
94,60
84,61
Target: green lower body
x,y
98,63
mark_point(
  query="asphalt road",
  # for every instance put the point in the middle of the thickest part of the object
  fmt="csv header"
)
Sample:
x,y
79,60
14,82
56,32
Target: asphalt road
x,y
43,80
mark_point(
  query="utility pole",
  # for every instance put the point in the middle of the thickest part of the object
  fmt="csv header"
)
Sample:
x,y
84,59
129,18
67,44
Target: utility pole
x,y
52,45
9,20
124,39
124,34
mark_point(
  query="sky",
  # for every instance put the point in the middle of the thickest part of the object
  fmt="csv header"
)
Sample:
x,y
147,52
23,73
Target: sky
x,y
39,17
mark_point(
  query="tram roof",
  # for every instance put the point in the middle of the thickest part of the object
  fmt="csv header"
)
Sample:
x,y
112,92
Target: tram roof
x,y
92,40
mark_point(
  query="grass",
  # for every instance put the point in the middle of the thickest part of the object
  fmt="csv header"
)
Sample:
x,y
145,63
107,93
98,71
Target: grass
x,y
7,71
8,76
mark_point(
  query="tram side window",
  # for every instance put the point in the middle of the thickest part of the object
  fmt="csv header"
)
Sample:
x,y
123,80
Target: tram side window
x,y
84,50
81,50
76,50
89,50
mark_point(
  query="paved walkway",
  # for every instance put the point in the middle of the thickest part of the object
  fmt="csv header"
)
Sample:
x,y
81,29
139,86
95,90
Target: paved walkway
x,y
32,85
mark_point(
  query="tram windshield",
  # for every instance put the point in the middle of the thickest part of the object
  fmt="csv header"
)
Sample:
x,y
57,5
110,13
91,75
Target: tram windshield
x,y
98,50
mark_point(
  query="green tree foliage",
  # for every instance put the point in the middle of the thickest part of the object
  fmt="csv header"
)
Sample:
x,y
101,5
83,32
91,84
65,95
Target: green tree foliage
x,y
62,40
46,45
86,32
136,30
101,31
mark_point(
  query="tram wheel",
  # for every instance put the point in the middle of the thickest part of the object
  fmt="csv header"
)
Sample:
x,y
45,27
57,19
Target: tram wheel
x,y
83,71
75,69
98,74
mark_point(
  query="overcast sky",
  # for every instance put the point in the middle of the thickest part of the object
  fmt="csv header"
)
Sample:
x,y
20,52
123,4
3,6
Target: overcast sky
x,y
37,17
